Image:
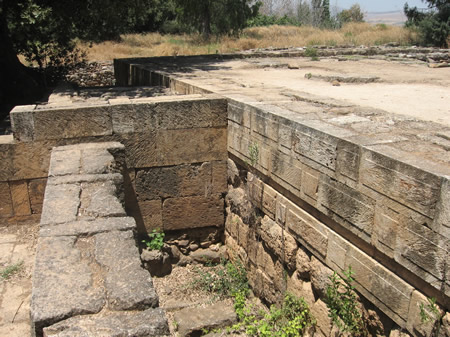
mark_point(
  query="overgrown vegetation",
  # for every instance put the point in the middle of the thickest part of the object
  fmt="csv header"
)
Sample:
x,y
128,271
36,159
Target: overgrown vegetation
x,y
343,304
10,270
156,240
433,25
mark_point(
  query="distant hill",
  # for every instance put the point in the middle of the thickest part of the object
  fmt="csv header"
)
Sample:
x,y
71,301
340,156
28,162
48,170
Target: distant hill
x,y
397,18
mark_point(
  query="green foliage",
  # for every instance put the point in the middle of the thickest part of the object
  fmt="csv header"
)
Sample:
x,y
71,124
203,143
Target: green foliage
x,y
343,304
10,270
291,320
253,152
354,14
431,313
216,17
268,20
433,25
156,241
313,53
224,279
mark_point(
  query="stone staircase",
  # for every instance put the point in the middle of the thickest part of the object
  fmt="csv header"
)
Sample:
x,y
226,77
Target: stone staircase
x,y
88,279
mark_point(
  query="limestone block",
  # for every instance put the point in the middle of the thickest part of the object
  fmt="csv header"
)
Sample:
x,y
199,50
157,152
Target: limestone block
x,y
315,145
65,162
300,288
321,312
310,184
280,242
269,201
59,266
442,219
348,207
193,212
60,203
302,264
32,160
337,251
20,198
348,158
307,230
287,169
97,161
265,125
385,232
6,207
285,133
192,321
255,190
87,228
320,277
128,286
151,322
280,210
231,224
404,183
386,290
6,156
72,123
123,117
151,212
100,199
414,322
191,146
36,190
243,234
22,122
219,176
174,181
240,113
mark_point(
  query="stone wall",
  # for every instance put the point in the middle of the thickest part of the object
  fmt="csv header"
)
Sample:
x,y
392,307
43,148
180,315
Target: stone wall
x,y
175,155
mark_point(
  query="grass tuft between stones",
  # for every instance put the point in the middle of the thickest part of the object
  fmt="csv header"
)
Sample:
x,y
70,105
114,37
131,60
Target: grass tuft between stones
x,y
10,270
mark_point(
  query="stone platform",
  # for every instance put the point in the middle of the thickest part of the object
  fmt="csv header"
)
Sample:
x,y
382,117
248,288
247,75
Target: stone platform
x,y
87,276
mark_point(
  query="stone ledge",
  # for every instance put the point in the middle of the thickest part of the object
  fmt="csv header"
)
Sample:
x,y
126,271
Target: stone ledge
x,y
87,260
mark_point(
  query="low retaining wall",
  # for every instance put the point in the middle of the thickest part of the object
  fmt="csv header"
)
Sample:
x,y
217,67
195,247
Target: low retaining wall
x,y
346,197
175,156
87,260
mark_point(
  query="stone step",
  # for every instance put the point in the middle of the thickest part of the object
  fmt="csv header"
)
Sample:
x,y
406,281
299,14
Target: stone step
x,y
87,261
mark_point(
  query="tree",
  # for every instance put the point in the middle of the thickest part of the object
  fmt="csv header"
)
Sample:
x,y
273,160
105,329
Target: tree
x,y
217,16
433,25
354,14
304,13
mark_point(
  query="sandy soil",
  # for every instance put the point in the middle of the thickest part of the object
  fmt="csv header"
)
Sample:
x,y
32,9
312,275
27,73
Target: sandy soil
x,y
407,88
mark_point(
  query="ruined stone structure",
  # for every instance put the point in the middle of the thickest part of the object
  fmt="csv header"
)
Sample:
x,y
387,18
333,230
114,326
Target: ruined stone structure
x,y
308,192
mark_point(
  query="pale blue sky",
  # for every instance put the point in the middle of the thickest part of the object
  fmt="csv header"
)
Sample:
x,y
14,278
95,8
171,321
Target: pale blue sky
x,y
378,5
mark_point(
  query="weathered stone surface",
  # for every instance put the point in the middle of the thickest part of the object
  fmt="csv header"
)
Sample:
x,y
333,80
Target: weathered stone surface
x,y
151,212
151,322
83,228
22,122
191,321
65,162
20,198
156,262
60,204
442,219
287,168
302,264
350,208
307,230
208,256
240,204
72,123
408,185
269,201
6,155
128,286
320,277
280,242
95,161
414,322
219,177
31,160
141,149
193,212
320,312
36,190
233,173
6,208
310,185
348,158
174,181
85,178
100,200
63,284
300,288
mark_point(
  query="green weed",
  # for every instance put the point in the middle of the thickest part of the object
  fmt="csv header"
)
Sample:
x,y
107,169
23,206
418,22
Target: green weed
x,y
10,270
156,241
435,315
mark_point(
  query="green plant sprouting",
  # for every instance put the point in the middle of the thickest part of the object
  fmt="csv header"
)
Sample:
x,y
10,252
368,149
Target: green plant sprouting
x,y
343,304
253,152
156,241
431,313
10,270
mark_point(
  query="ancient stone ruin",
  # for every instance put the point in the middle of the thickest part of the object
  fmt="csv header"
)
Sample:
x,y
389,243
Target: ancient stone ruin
x,y
292,191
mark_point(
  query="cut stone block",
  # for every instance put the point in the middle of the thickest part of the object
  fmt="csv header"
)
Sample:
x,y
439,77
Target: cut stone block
x,y
20,197
151,322
100,200
6,208
22,122
64,162
63,283
191,321
128,286
60,204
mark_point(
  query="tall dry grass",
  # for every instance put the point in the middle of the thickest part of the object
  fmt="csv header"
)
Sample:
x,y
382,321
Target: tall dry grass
x,y
154,44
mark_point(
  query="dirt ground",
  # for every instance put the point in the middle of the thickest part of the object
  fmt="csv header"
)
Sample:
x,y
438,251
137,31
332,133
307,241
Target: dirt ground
x,y
17,247
403,87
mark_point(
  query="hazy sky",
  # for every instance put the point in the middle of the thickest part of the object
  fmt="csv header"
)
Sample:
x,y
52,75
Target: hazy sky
x,y
378,5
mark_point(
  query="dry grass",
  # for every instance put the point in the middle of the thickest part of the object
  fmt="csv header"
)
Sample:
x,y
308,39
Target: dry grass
x,y
154,44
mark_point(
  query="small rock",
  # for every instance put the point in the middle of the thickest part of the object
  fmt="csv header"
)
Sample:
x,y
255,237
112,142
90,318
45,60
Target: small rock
x,y
193,247
183,243
215,247
335,83
206,256
293,66
205,244
156,262
184,261
438,65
